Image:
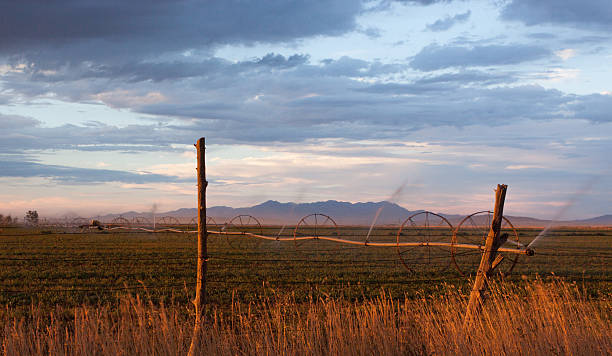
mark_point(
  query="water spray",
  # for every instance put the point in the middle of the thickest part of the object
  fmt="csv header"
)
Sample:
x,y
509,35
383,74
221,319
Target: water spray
x,y
575,197
392,199
153,211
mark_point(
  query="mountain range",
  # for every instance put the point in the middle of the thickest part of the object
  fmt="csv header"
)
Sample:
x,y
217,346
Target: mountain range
x,y
343,213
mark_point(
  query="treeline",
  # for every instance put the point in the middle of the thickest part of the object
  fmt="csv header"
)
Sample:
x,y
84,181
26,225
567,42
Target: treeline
x,y
7,220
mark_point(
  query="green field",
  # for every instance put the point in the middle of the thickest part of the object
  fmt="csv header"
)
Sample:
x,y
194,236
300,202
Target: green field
x,y
52,267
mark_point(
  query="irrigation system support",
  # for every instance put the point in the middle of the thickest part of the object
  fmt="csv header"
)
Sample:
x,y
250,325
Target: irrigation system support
x,y
200,299
488,262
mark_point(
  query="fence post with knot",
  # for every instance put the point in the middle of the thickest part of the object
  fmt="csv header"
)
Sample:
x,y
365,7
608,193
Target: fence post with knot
x,y
200,298
489,257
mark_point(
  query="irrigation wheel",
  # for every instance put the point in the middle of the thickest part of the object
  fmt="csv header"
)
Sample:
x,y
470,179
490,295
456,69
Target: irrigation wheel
x,y
79,224
167,221
142,221
425,227
211,224
192,225
473,229
314,226
243,224
120,221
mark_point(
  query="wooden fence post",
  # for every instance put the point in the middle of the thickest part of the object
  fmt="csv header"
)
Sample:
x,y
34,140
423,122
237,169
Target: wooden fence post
x,y
493,242
200,299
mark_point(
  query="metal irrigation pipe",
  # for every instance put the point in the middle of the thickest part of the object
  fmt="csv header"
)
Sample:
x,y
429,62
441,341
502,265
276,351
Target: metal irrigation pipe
x,y
528,252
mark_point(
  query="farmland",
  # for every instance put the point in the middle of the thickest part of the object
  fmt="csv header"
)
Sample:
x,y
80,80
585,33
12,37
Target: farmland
x,y
50,267
127,292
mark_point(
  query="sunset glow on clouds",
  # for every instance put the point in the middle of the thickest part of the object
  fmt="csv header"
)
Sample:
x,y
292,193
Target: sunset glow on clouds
x,y
309,101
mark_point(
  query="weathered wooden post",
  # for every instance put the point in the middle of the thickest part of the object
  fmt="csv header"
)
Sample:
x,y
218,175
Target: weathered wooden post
x,y
200,299
488,261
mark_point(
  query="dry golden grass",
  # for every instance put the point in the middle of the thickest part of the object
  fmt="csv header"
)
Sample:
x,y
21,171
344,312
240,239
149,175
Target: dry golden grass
x,y
537,319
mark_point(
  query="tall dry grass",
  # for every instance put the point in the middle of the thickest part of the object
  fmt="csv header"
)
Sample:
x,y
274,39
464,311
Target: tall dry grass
x,y
536,319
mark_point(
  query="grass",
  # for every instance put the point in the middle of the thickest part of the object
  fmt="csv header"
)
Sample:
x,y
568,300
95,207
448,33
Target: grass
x,y
97,268
537,318
129,294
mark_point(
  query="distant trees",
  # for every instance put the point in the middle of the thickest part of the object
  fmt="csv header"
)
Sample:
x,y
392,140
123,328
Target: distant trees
x,y
7,220
31,217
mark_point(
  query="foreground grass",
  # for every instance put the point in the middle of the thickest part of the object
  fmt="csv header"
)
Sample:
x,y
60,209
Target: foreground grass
x,y
536,318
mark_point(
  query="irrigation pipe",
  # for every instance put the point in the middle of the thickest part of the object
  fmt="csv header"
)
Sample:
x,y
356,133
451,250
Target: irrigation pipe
x,y
527,252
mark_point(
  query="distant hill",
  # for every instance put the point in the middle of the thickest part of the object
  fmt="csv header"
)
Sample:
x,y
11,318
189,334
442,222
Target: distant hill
x,y
344,213
600,220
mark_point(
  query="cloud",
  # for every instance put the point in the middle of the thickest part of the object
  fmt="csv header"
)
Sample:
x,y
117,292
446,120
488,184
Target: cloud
x,y
125,99
135,72
423,2
523,166
381,111
16,121
448,22
434,56
69,31
465,77
541,36
371,32
439,84
93,136
594,107
276,98
74,175
566,54
312,102
351,67
595,14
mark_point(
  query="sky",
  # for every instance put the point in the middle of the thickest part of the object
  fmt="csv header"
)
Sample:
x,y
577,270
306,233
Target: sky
x,y
306,100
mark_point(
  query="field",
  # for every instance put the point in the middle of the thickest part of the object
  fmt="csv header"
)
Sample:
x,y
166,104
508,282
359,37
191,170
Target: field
x,y
68,292
50,267
128,293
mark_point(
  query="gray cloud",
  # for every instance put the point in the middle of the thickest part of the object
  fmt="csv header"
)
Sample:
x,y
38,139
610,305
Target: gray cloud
x,y
380,111
442,83
542,36
219,79
589,39
277,98
593,13
465,77
256,102
422,2
385,4
96,136
435,57
70,31
160,71
73,175
16,121
594,107
448,22
351,67
372,112
371,32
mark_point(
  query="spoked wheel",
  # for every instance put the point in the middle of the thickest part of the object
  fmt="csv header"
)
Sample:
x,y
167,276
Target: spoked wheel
x,y
413,238
210,224
120,221
312,226
167,221
473,230
192,225
243,224
79,225
141,221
